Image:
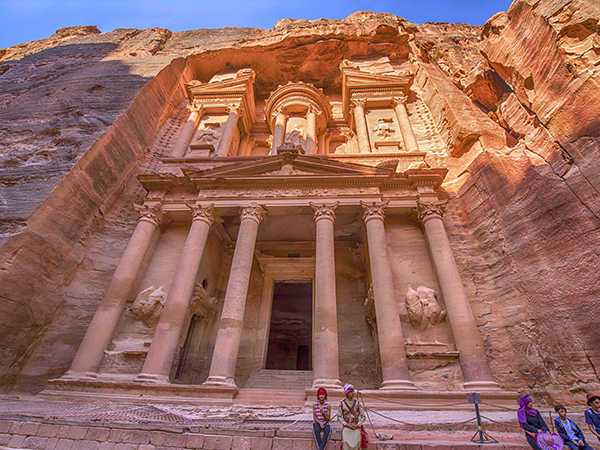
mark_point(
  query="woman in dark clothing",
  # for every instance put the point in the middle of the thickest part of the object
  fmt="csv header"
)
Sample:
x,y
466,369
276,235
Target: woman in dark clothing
x,y
531,421
569,431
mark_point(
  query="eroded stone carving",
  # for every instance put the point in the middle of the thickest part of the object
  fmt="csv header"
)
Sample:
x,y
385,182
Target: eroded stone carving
x,y
148,305
423,308
383,128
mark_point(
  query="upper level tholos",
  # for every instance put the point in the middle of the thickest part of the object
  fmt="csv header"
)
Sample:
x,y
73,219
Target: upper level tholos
x,y
374,118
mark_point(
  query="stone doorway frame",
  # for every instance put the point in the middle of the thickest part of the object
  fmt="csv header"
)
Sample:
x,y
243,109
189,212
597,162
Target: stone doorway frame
x,y
277,269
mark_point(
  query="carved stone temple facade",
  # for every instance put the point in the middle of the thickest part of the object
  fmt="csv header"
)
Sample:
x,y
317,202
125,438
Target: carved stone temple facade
x,y
279,242
240,216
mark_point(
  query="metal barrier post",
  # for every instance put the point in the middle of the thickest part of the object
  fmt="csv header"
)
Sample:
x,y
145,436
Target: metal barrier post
x,y
480,437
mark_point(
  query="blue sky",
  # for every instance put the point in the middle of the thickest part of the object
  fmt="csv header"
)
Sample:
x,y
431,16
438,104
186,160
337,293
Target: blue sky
x,y
28,20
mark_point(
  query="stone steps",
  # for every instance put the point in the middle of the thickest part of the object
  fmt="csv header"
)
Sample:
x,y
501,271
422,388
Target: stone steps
x,y
280,379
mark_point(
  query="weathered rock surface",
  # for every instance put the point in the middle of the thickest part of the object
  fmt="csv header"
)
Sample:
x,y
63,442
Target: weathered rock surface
x,y
515,103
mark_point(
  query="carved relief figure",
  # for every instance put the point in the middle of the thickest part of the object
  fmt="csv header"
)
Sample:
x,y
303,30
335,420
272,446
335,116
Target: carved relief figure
x,y
207,136
423,308
148,305
383,128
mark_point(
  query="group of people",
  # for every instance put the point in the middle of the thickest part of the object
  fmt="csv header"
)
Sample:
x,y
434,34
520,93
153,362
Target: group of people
x,y
350,414
533,423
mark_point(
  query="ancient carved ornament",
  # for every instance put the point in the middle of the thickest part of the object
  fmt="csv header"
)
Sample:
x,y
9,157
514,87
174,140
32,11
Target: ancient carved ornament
x,y
324,210
252,212
428,211
150,213
423,308
373,210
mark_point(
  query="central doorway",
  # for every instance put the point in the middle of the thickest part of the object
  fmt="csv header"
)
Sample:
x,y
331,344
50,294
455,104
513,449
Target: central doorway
x,y
290,332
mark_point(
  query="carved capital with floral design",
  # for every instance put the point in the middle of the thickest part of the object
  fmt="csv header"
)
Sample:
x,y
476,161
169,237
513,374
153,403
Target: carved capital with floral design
x,y
150,213
354,102
428,211
252,212
399,100
234,108
373,210
204,213
324,210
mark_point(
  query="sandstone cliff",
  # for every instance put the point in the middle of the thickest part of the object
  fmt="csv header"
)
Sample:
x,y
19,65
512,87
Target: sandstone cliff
x,y
515,102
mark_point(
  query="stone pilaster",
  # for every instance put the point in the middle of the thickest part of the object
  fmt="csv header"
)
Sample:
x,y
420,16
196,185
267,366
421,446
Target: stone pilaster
x,y
408,135
326,360
185,137
394,364
360,121
164,343
224,146
468,341
222,369
103,325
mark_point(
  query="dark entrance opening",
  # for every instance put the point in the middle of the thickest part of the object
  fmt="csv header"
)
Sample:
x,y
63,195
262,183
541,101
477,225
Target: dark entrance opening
x,y
290,335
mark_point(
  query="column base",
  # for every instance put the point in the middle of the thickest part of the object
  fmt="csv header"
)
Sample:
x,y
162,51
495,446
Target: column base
x,y
152,378
327,383
219,381
72,375
398,385
474,386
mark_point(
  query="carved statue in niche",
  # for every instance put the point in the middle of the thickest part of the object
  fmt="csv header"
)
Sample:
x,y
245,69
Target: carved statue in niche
x,y
148,305
423,308
383,128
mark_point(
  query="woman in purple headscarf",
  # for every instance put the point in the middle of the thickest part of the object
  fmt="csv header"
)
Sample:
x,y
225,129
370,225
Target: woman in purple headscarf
x,y
531,421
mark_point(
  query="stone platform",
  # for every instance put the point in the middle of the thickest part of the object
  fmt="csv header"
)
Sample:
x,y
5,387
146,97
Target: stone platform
x,y
34,423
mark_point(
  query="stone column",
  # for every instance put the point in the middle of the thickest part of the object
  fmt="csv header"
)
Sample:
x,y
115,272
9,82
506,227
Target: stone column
x,y
227,137
406,130
222,368
361,125
321,147
278,132
474,364
103,325
326,361
311,131
164,343
243,148
394,364
185,137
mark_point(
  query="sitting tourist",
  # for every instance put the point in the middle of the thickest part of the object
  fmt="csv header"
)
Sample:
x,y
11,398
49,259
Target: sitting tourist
x,y
568,430
592,415
352,417
531,421
321,415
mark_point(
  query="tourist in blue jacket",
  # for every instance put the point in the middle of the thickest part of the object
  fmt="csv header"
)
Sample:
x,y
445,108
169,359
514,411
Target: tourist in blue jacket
x,y
569,431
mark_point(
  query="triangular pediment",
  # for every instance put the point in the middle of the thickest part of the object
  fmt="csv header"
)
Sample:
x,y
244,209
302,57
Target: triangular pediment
x,y
235,84
289,167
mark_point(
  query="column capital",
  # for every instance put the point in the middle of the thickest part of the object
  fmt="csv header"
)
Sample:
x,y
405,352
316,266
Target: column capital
x,y
276,112
234,108
150,213
204,213
432,210
312,109
399,99
253,212
373,210
324,210
354,102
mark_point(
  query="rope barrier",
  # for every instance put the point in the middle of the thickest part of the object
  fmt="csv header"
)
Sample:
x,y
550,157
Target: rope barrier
x,y
425,425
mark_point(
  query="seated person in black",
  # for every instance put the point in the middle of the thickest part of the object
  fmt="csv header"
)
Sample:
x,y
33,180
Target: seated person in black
x,y
531,421
568,430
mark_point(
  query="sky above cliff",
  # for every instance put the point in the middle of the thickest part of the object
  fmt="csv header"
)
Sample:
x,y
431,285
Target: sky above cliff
x,y
28,20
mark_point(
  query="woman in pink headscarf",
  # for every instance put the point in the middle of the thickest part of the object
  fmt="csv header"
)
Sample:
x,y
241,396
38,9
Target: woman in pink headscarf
x,y
352,417
531,421
321,415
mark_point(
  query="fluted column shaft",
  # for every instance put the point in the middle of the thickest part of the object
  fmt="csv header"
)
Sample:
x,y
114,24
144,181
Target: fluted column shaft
x,y
278,132
185,137
311,132
468,341
406,130
361,126
222,368
166,337
326,361
227,137
394,364
103,325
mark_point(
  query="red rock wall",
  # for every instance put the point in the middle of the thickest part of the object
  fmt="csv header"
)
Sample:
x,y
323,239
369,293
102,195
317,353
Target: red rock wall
x,y
516,101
